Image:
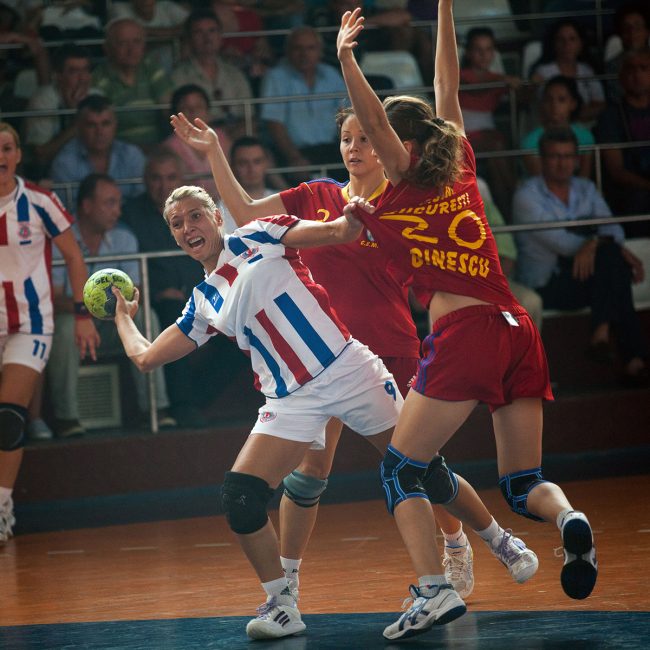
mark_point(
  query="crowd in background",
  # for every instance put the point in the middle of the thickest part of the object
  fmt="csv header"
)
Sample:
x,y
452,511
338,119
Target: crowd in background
x,y
105,95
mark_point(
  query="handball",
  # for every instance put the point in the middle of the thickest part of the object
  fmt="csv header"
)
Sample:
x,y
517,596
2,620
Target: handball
x,y
98,296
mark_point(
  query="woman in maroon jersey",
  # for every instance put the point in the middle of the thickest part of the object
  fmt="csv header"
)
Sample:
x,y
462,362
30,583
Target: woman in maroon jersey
x,y
373,303
483,346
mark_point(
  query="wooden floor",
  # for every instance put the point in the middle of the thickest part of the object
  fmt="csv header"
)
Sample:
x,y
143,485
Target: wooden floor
x,y
355,563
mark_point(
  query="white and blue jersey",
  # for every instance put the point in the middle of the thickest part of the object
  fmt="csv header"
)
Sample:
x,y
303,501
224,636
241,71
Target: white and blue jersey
x,y
28,223
264,297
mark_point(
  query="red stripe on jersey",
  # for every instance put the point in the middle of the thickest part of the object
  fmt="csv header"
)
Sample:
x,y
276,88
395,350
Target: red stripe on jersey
x,y
4,238
285,351
281,220
316,290
13,321
229,273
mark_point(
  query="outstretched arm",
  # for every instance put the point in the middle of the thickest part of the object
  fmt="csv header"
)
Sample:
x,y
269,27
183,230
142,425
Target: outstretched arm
x,y
242,207
309,234
367,106
169,346
447,70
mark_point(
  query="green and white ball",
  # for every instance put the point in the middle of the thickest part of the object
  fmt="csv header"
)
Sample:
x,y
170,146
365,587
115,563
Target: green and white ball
x,y
99,298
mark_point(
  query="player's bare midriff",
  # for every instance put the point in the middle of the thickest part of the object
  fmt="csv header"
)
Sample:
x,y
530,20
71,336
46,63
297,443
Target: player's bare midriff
x,y
444,303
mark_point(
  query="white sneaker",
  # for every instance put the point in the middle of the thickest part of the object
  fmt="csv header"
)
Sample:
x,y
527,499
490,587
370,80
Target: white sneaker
x,y
458,562
277,617
520,561
7,520
426,611
580,568
38,430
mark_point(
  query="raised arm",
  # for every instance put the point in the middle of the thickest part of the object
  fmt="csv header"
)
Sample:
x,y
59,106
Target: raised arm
x,y
367,106
447,70
169,346
239,203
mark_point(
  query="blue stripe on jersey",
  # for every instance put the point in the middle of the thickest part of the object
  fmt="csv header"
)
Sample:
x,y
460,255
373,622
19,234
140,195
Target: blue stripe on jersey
x,y
22,208
34,311
281,390
50,226
188,320
211,294
255,259
262,237
236,245
304,328
331,181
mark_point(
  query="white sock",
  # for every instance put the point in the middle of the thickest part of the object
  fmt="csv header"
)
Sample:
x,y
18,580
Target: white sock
x,y
427,584
5,495
560,518
489,533
275,587
291,569
455,540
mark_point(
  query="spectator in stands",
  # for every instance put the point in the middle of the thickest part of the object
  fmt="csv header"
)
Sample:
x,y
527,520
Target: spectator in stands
x,y
206,68
193,102
528,298
478,107
249,161
627,177
31,60
252,54
162,20
573,268
632,26
99,234
57,20
170,278
71,83
563,53
302,131
561,103
96,149
132,81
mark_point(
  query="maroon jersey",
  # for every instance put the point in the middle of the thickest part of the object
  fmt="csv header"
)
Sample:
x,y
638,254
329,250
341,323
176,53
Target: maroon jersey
x,y
369,295
442,239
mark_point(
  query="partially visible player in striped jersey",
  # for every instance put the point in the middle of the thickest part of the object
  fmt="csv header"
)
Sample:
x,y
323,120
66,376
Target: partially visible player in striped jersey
x,y
370,295
258,292
31,218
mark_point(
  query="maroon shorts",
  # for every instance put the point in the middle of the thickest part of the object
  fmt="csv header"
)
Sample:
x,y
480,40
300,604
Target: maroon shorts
x,y
403,370
476,353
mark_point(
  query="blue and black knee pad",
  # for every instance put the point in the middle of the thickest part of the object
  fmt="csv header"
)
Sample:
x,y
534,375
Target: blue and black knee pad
x,y
515,488
245,499
12,426
401,478
304,490
440,482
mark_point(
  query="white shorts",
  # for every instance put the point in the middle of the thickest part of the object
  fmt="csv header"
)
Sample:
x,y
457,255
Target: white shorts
x,y
31,350
356,388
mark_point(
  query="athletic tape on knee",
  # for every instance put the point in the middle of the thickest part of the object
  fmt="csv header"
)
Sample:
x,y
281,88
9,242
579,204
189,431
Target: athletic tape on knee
x,y
245,498
515,488
304,490
440,482
12,426
401,478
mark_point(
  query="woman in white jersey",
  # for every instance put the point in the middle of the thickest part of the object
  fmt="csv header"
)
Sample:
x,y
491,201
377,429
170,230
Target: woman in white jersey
x,y
258,292
30,219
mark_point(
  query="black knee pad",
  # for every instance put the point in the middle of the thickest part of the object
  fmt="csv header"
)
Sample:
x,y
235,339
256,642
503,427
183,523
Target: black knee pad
x,y
304,490
245,499
516,486
440,482
401,478
12,426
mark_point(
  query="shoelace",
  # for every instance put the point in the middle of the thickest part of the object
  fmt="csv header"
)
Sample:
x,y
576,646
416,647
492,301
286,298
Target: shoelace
x,y
457,565
266,607
505,552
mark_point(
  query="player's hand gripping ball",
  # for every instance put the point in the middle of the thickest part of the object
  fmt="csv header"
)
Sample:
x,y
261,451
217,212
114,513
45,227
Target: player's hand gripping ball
x,y
98,296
